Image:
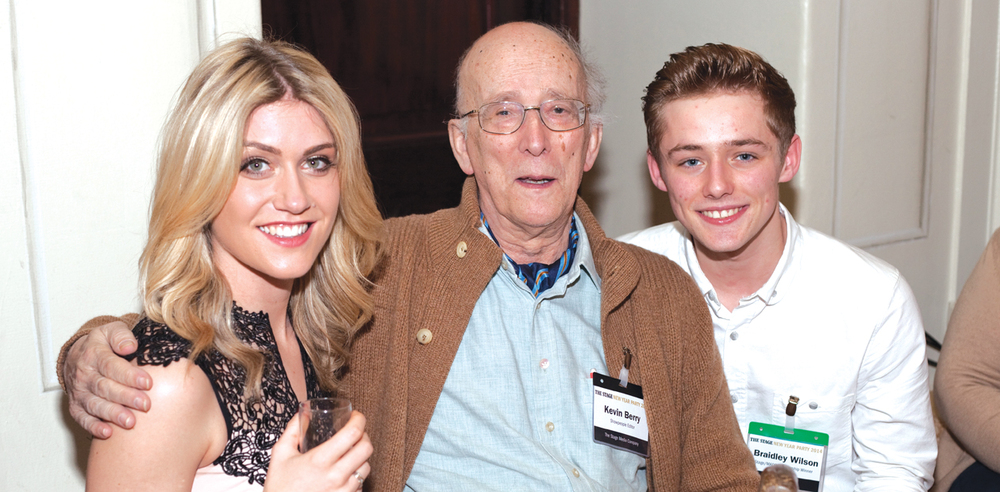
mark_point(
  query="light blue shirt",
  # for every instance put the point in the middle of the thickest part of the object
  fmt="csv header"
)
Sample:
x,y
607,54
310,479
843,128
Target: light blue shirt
x,y
516,412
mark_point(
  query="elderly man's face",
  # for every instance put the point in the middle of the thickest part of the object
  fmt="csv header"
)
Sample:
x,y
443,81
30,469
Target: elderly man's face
x,y
527,180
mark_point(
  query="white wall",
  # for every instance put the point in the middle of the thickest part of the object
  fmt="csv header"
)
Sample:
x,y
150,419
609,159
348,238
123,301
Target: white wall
x,y
84,90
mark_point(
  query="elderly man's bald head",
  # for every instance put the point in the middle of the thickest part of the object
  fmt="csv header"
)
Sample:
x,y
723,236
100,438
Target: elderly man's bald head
x,y
500,44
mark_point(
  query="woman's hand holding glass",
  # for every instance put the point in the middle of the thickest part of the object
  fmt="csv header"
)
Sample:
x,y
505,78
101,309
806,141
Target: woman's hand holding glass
x,y
340,463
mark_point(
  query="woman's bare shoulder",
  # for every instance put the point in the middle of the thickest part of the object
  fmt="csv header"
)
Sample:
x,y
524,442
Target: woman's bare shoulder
x,y
182,431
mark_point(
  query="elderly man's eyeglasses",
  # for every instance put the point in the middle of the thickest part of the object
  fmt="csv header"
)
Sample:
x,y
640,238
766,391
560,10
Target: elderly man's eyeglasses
x,y
504,118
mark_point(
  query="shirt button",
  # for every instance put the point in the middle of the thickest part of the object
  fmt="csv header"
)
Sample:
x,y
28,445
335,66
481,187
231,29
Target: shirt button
x,y
461,249
734,397
424,336
576,473
734,335
550,427
544,364
813,405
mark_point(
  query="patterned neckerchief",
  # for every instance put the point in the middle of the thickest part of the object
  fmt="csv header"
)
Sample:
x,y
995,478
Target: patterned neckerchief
x,y
540,277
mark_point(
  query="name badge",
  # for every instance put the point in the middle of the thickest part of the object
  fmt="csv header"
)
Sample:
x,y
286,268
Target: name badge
x,y
620,416
803,450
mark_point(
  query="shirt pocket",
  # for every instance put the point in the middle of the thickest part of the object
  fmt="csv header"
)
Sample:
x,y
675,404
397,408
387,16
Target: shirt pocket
x,y
829,414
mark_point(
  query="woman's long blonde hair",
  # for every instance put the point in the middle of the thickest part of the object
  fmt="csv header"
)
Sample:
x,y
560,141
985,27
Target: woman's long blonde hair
x,y
199,161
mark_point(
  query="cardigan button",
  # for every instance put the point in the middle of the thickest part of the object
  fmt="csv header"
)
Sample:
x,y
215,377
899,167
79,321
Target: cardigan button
x,y
461,249
424,336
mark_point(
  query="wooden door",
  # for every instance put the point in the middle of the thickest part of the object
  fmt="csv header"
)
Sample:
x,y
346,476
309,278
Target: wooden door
x,y
396,60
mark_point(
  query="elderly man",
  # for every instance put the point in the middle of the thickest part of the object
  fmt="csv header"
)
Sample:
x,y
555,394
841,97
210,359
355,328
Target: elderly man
x,y
495,320
806,325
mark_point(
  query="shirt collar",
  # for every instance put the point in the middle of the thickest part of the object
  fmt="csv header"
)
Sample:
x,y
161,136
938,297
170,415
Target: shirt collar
x,y
584,256
583,261
774,289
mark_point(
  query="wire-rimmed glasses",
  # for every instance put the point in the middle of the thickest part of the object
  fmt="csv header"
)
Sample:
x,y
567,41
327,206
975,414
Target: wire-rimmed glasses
x,y
505,117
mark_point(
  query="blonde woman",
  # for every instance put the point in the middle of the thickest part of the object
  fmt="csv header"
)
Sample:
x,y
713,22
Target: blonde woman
x,y
263,227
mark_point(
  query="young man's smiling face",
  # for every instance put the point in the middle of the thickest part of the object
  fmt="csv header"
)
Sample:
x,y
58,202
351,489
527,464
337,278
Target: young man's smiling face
x,y
721,165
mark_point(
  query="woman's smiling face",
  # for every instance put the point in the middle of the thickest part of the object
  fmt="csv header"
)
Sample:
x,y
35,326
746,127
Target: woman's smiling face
x,y
284,205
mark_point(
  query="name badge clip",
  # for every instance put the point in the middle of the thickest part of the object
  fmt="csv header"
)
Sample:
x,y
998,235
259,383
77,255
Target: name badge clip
x,y
623,374
793,402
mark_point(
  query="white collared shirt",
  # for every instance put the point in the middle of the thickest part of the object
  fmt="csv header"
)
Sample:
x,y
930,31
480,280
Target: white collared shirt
x,y
839,329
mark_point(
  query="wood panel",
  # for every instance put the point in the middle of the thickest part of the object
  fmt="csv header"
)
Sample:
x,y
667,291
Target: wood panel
x,y
889,129
882,166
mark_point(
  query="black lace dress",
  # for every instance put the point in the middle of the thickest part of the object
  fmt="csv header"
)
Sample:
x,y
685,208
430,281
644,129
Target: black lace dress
x,y
253,428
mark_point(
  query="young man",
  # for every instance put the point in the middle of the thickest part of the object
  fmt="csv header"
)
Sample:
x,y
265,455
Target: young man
x,y
798,316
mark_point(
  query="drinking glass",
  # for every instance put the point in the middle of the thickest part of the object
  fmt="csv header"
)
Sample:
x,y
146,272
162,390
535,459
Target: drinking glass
x,y
320,419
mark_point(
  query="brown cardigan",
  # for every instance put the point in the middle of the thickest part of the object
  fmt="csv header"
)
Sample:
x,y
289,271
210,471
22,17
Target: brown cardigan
x,y
967,382
435,268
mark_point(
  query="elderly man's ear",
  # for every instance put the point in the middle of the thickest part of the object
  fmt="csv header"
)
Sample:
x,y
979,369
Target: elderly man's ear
x,y
594,146
459,145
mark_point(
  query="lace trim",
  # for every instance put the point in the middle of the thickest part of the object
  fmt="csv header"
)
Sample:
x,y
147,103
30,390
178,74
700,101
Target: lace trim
x,y
254,426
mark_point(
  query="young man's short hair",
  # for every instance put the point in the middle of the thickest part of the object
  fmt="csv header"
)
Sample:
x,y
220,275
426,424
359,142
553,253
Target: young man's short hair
x,y
710,68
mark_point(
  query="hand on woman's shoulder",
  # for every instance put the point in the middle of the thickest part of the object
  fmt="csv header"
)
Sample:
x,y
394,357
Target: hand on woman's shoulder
x,y
183,431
